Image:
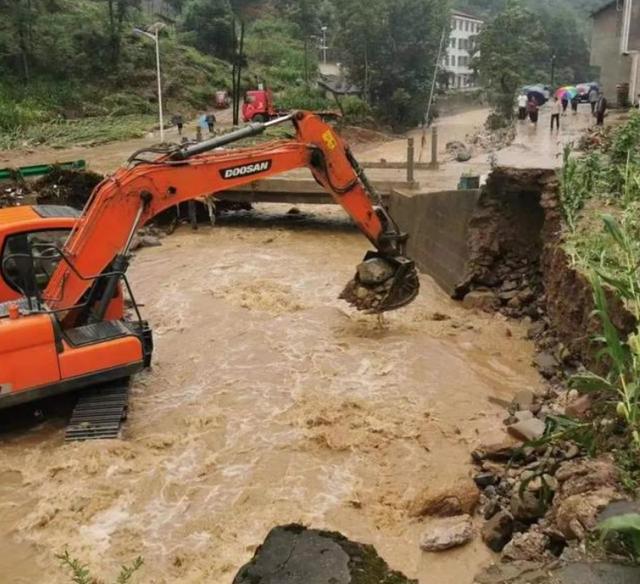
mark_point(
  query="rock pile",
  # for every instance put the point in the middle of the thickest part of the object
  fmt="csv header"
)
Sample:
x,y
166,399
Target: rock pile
x,y
492,140
539,498
459,151
513,288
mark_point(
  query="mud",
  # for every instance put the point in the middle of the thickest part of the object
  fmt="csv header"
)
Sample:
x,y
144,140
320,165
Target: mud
x,y
66,187
269,402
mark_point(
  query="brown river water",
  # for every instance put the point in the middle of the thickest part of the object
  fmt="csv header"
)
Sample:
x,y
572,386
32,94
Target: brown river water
x,y
270,401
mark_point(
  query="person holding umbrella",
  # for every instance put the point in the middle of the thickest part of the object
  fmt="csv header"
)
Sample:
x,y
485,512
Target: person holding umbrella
x,y
574,104
522,106
556,110
532,110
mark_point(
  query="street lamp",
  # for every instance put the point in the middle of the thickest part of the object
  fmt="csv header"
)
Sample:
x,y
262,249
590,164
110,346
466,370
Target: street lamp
x,y
152,33
324,44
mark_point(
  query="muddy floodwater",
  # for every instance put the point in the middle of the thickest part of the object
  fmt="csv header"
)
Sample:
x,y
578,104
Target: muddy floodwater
x,y
270,401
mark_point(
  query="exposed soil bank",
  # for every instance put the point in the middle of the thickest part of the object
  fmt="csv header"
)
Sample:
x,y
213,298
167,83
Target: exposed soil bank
x,y
517,265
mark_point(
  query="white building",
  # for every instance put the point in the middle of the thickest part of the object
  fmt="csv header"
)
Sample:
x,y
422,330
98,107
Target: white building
x,y
457,61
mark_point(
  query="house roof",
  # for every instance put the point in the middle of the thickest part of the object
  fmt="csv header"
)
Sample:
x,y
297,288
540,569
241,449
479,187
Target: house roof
x,y
605,6
466,15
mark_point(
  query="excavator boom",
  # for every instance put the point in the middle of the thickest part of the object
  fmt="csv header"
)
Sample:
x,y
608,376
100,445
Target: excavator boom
x,y
131,197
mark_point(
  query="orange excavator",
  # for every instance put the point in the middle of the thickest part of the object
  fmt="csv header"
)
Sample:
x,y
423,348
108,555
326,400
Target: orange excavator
x,y
63,324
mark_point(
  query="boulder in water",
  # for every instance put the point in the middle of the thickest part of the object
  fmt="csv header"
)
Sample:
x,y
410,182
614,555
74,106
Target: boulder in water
x,y
294,554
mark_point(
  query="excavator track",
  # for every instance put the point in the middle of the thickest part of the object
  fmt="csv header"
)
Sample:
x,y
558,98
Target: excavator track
x,y
99,412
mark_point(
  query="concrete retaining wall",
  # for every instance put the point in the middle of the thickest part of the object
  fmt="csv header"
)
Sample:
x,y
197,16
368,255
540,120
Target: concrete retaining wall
x,y
438,225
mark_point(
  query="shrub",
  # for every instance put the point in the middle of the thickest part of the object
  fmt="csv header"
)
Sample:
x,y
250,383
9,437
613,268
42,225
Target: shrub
x,y
303,98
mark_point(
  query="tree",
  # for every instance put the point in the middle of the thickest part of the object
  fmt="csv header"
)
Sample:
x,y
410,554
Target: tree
x,y
390,49
304,14
17,18
118,11
511,47
210,24
566,40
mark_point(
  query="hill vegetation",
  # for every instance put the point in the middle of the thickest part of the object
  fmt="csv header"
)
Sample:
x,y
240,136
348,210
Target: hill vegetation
x,y
68,60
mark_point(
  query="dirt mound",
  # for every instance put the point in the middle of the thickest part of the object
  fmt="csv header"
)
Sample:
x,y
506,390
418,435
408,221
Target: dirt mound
x,y
66,187
358,135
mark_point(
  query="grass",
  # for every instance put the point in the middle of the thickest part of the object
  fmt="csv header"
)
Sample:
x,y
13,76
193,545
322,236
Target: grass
x,y
85,131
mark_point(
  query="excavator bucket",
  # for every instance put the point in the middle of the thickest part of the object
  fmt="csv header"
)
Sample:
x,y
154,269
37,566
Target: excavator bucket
x,y
382,283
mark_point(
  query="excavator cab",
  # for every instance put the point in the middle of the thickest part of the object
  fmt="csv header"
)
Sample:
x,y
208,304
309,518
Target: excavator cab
x,y
25,233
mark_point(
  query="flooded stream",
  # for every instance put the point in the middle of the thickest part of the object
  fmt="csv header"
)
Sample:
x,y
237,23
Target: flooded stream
x,y
270,401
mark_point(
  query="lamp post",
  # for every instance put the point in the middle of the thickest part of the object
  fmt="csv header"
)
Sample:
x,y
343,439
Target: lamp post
x,y
152,33
553,70
324,44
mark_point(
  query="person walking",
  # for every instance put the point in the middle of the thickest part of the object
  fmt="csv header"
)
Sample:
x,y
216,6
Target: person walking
x,y
565,104
522,107
211,122
601,110
593,99
574,104
178,121
532,110
556,110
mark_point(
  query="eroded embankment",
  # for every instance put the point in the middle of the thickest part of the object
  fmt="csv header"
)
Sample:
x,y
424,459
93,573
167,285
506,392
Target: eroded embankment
x,y
518,265
269,402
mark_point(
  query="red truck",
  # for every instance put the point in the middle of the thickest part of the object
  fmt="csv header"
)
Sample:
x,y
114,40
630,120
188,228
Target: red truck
x,y
259,106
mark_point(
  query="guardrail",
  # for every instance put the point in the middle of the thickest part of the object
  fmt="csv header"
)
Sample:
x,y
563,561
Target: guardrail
x,y
39,169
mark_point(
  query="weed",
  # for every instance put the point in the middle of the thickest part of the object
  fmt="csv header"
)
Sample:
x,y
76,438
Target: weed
x,y
626,529
80,573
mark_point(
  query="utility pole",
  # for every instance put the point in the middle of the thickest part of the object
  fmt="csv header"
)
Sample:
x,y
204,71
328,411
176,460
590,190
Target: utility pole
x,y
427,113
153,34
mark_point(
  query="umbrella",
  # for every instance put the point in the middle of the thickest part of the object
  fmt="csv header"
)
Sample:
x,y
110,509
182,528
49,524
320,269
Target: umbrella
x,y
536,92
568,92
585,88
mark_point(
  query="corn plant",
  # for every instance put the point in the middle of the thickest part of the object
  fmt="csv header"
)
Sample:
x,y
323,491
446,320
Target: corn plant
x,y
580,180
622,356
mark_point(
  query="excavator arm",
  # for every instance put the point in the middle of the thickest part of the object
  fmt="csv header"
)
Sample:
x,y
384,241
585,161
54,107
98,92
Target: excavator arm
x,y
97,251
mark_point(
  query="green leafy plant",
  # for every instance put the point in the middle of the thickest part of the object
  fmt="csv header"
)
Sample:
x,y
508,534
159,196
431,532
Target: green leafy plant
x,y
622,357
626,528
80,573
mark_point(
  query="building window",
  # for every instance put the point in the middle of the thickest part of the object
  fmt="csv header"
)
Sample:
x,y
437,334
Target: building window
x,y
453,43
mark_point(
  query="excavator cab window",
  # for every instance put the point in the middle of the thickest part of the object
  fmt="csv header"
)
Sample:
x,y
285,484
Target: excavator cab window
x,y
28,260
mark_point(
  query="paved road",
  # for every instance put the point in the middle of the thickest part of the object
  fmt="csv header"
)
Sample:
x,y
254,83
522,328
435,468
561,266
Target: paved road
x,y
533,147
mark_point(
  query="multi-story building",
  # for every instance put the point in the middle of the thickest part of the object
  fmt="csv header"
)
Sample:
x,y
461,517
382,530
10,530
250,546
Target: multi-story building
x,y
615,48
457,61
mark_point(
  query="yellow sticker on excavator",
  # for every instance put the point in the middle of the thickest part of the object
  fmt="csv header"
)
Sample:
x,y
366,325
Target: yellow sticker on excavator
x,y
330,140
